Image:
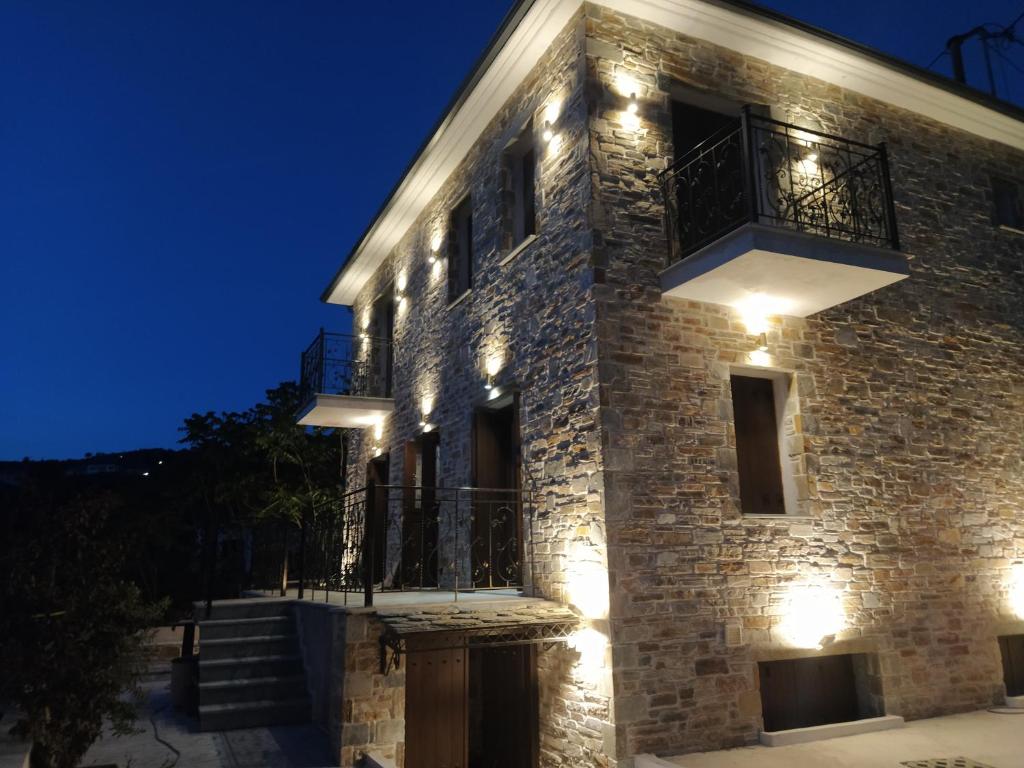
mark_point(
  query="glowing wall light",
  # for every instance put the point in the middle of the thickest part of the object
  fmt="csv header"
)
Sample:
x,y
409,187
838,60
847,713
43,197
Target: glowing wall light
x,y
492,366
426,408
811,615
755,309
587,582
633,106
435,248
548,133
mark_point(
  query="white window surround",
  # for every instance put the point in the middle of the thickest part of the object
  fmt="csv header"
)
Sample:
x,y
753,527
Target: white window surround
x,y
534,25
791,453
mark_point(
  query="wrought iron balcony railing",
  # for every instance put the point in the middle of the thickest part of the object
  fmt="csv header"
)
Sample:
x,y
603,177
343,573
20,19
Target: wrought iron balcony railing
x,y
339,364
403,538
767,172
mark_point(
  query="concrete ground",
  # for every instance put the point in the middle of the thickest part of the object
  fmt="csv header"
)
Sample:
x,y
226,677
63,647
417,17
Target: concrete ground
x,y
175,742
986,738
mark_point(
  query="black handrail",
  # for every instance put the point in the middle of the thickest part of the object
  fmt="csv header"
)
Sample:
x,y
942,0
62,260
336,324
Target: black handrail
x,y
343,364
769,172
410,538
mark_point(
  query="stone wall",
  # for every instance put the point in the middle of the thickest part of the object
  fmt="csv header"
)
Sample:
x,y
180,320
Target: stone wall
x,y
534,311
911,410
368,710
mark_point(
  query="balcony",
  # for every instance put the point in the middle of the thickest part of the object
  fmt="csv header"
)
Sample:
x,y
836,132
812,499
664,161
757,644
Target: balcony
x,y
345,381
793,220
385,539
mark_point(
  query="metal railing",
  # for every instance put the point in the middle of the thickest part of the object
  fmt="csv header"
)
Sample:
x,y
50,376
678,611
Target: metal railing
x,y
396,538
768,172
340,364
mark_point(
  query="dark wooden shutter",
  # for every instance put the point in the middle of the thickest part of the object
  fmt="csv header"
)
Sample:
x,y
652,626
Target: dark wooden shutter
x,y
1012,649
507,734
798,693
528,192
436,702
757,446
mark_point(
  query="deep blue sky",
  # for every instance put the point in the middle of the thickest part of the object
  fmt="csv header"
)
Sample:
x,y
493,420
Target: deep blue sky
x,y
179,180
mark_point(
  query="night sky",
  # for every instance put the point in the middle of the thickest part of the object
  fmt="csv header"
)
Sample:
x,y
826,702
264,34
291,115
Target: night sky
x,y
180,180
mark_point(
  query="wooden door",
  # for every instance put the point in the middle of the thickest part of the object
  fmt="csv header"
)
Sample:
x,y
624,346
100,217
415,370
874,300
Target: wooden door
x,y
504,701
1012,650
757,446
497,517
375,533
436,704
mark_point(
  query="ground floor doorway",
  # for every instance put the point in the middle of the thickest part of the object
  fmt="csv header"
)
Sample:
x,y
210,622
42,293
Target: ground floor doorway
x,y
470,706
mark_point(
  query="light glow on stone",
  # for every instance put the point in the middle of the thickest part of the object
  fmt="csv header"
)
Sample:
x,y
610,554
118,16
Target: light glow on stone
x,y
811,615
587,585
756,308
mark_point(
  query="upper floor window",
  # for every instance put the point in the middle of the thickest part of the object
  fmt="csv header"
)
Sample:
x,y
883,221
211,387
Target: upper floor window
x,y
1008,203
460,249
520,161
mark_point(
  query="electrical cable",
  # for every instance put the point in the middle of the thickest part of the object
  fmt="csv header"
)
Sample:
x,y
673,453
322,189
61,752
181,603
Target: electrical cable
x,y
156,735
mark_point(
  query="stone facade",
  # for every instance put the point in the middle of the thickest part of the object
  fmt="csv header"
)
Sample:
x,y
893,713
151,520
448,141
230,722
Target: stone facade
x,y
905,435
911,402
534,313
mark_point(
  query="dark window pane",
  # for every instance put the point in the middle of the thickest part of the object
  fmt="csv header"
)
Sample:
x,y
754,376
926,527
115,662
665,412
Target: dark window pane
x,y
757,446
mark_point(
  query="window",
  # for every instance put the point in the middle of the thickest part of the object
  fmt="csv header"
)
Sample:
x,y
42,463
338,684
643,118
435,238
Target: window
x,y
380,371
757,445
520,166
460,249
1008,204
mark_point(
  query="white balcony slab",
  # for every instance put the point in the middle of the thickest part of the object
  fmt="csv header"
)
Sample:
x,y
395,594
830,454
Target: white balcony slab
x,y
344,411
830,731
800,273
1015,702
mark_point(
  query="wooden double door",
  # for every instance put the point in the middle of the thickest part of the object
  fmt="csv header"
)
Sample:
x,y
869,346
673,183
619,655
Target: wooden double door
x,y
468,707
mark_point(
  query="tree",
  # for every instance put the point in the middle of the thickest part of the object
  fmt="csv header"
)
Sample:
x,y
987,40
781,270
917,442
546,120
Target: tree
x,y
72,628
257,470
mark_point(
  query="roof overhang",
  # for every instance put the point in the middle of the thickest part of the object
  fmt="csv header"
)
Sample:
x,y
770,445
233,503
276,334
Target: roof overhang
x,y
532,26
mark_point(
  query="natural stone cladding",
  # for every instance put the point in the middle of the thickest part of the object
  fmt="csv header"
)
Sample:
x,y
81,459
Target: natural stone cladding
x,y
911,406
536,312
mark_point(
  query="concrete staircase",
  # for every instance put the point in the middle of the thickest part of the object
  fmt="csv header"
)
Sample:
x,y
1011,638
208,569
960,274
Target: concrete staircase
x,y
250,666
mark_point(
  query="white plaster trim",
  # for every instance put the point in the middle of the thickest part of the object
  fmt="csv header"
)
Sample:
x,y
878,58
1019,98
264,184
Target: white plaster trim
x,y
766,39
830,731
794,49
517,250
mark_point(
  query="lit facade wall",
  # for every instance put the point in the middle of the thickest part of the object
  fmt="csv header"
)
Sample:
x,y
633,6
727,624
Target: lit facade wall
x,y
908,406
907,436
527,323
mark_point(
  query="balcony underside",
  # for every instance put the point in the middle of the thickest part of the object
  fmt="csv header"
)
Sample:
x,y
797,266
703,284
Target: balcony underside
x,y
800,274
344,411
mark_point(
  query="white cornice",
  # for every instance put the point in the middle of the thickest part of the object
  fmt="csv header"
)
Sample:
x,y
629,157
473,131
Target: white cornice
x,y
741,30
801,51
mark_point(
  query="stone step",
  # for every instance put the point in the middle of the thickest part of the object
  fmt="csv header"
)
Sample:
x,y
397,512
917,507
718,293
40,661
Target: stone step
x,y
248,608
245,647
222,629
250,667
253,714
283,688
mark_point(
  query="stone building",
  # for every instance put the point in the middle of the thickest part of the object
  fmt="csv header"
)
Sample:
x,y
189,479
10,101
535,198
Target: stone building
x,y
727,313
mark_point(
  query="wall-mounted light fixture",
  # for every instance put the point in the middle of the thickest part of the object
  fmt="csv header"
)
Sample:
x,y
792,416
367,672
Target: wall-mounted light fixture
x,y
426,408
548,133
435,247
492,368
762,342
633,106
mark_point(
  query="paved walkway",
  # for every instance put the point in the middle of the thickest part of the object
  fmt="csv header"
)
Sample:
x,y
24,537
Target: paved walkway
x,y
989,739
178,743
